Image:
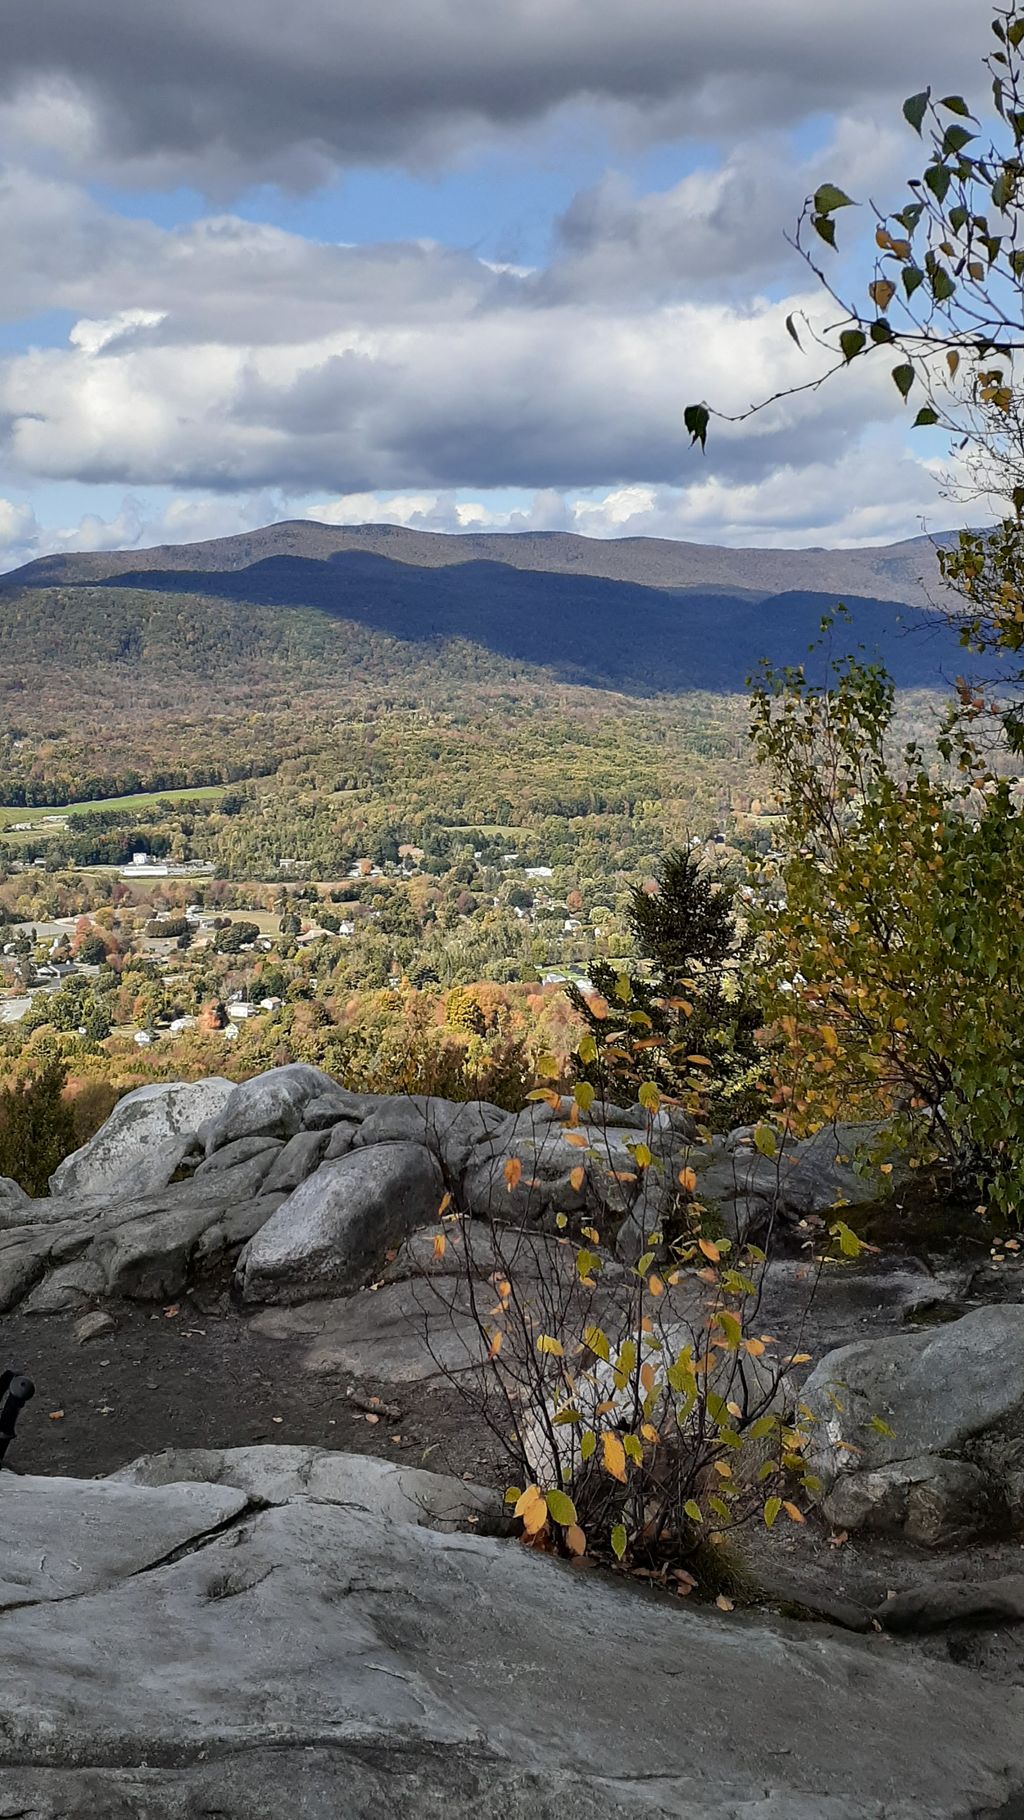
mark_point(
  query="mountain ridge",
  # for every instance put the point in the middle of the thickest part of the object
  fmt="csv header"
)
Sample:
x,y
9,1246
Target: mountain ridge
x,y
904,572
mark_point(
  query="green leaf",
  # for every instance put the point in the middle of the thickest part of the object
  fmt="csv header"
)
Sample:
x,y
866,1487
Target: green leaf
x,y
849,1244
880,331
588,1445
954,139
913,278
825,227
903,379
827,197
771,1511
852,341
1002,189
561,1507
619,1541
925,416
938,180
695,419
915,107
882,1428
587,1050
955,104
597,1340
649,1097
791,332
693,1511
943,286
513,1494
765,1140
584,1095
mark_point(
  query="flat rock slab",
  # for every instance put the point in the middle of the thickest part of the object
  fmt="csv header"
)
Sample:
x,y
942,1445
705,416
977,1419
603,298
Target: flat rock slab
x,y
324,1659
403,1333
63,1538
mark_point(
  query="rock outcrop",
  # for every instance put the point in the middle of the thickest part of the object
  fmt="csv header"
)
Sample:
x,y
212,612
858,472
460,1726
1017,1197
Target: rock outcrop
x,y
282,1631
182,1176
923,1434
333,1232
143,1142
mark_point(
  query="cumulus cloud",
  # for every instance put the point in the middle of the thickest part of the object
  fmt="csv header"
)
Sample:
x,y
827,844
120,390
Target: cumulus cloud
x,y
197,92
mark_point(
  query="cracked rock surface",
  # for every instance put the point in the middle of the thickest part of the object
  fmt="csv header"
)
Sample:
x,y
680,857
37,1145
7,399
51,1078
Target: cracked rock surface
x,y
301,1634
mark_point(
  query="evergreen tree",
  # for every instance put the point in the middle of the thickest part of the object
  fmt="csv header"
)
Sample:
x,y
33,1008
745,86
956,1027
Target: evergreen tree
x,y
691,1021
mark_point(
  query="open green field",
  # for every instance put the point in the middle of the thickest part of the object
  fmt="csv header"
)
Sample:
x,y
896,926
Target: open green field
x,y
200,793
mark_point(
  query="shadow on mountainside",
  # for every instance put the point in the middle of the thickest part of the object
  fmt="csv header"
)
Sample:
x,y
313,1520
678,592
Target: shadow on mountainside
x,y
584,629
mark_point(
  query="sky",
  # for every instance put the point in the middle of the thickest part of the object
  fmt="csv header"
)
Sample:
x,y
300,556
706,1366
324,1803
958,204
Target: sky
x,y
456,264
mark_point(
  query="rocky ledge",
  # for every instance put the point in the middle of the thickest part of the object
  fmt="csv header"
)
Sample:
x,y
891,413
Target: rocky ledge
x,y
281,1630
310,1187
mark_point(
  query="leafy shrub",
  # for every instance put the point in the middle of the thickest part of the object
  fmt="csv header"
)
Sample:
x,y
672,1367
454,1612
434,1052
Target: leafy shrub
x,y
643,1413
37,1127
894,958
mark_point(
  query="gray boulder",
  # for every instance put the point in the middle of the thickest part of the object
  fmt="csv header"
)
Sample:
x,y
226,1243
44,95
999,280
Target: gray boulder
x,y
333,1233
12,1199
934,1502
454,1131
340,1139
147,1248
243,1150
295,1161
892,1417
549,1158
272,1105
143,1142
301,1638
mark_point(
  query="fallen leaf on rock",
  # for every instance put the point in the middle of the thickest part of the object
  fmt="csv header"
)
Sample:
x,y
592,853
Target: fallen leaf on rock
x,y
371,1418
724,1604
837,1541
169,1313
277,1418
56,1415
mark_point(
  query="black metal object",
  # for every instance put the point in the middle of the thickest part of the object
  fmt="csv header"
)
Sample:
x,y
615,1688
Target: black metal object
x,y
15,1392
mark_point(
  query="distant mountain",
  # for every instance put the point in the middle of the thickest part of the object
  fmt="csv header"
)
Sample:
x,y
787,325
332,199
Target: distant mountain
x,y
902,572
642,616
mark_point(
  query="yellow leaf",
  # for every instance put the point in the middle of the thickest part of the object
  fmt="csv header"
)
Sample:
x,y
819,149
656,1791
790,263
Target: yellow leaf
x,y
578,1177
495,1346
650,1433
535,1518
513,1173
575,1540
445,1204
531,1495
700,1061
614,1456
545,1343
577,1138
688,1180
710,1250
547,1067
598,1007
642,1156
754,1347
792,1511
440,1243
655,1285
649,1097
